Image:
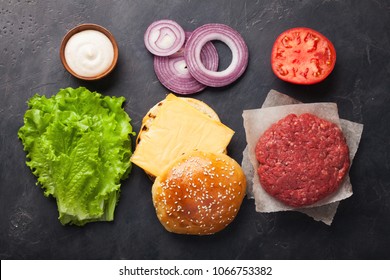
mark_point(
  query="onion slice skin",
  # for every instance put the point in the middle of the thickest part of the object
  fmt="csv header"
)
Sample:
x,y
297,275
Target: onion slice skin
x,y
164,37
173,73
229,36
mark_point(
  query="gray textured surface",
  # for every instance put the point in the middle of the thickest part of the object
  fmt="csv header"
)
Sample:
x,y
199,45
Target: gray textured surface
x,y
30,36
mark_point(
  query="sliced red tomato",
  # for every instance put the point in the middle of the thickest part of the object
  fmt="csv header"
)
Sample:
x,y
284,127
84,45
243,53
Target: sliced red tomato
x,y
303,56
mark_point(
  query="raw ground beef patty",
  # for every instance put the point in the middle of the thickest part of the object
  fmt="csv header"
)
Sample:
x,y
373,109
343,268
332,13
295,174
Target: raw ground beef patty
x,y
302,159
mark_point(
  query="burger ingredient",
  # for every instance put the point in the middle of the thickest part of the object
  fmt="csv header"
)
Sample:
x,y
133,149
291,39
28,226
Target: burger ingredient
x,y
164,37
232,39
199,193
302,159
275,107
173,73
78,145
193,73
302,56
89,53
178,128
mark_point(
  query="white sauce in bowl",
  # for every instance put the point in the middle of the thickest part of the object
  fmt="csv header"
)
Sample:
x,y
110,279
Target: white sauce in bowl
x,y
89,53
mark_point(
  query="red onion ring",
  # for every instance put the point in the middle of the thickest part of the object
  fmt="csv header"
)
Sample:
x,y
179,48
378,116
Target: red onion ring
x,y
232,39
173,73
164,37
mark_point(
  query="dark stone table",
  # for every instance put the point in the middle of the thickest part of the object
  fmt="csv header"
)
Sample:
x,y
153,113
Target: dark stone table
x,y
30,37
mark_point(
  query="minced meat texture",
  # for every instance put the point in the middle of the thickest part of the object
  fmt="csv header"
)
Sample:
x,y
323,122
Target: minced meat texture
x,y
302,159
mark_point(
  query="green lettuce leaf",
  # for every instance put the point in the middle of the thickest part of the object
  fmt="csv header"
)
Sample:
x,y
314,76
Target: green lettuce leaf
x,y
78,146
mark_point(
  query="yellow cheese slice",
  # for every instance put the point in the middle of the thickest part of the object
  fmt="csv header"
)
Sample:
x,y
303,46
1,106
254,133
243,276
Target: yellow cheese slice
x,y
177,129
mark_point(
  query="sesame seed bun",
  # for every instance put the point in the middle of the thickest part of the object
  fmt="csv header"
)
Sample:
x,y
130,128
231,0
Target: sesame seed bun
x,y
152,114
199,193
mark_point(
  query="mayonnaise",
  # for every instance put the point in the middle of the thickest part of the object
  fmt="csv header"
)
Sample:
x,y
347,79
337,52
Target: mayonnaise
x,y
89,53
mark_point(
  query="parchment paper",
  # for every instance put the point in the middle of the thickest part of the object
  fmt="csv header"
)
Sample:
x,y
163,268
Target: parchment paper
x,y
275,107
